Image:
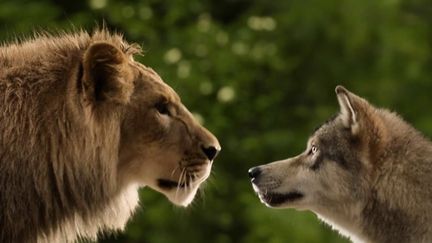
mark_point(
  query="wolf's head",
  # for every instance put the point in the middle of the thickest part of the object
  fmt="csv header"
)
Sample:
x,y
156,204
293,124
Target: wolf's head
x,y
334,170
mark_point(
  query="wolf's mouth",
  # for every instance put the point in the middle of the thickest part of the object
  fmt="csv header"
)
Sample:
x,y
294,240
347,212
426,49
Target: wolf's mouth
x,y
275,199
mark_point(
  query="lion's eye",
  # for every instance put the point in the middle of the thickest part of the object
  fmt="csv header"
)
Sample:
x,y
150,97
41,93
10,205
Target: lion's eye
x,y
162,108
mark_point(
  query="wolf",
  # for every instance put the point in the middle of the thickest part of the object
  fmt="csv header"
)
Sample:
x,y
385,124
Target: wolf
x,y
366,172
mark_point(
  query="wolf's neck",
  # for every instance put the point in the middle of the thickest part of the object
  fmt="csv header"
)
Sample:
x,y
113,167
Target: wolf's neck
x,y
374,221
345,219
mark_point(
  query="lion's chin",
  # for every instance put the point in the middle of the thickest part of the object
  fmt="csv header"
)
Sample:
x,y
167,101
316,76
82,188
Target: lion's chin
x,y
182,196
178,194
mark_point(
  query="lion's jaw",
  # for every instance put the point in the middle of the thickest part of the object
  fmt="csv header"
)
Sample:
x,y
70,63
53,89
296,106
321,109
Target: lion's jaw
x,y
178,179
183,191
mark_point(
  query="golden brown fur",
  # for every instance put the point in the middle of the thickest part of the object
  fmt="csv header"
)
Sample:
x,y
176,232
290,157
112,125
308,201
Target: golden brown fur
x,y
81,128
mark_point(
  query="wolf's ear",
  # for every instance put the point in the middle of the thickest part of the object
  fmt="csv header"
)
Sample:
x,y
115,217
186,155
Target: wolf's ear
x,y
106,75
349,108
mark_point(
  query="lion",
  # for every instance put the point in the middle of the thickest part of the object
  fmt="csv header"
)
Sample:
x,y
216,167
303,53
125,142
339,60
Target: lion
x,y
82,127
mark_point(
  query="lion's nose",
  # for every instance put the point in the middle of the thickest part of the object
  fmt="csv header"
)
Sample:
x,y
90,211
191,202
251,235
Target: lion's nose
x,y
210,151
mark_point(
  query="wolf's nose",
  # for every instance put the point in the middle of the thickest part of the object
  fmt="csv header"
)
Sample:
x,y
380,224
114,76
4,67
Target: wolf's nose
x,y
254,172
210,151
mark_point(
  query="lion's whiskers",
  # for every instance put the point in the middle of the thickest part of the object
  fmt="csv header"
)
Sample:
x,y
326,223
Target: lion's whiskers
x,y
175,169
180,182
201,179
191,179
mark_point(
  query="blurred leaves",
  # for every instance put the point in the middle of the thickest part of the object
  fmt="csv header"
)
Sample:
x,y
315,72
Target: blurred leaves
x,y
261,75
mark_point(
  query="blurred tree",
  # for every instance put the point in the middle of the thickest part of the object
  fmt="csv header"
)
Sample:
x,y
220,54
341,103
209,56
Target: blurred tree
x,y
260,74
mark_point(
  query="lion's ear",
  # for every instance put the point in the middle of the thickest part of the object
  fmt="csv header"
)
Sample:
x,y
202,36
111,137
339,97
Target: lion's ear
x,y
106,75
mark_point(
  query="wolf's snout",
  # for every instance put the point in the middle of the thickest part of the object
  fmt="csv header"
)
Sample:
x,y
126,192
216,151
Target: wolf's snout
x,y
254,172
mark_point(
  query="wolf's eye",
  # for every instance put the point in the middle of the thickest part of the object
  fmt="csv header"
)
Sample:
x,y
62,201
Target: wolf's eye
x,y
314,149
162,108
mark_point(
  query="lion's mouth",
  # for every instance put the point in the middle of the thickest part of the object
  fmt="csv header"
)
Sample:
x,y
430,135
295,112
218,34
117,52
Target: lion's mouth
x,y
169,184
193,174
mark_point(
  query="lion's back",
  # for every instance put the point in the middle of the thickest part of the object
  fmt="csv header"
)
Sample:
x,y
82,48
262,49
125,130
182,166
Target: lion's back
x,y
46,192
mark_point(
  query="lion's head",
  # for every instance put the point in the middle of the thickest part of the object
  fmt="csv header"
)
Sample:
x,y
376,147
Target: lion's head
x,y
161,144
83,126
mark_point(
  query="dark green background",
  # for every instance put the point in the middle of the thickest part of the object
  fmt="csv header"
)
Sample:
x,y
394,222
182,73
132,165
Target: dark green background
x,y
261,74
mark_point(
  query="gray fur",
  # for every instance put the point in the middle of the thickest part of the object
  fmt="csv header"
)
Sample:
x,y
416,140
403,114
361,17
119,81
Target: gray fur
x,y
373,180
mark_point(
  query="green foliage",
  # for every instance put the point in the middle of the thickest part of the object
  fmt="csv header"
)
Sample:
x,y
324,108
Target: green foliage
x,y
261,75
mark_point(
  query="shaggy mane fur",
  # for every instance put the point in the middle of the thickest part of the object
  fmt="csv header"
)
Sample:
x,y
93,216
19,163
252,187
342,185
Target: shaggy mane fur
x,y
57,166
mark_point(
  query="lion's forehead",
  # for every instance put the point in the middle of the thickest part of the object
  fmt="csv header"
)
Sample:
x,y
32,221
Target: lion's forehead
x,y
154,84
